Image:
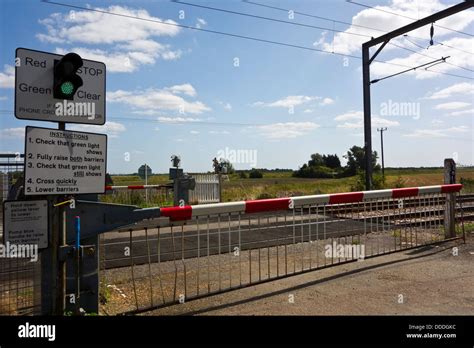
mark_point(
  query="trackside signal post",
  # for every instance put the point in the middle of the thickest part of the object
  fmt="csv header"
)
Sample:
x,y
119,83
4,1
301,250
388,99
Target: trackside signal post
x,y
182,182
367,60
64,172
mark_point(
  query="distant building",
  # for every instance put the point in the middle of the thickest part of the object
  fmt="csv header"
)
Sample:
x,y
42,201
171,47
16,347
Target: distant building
x,y
141,171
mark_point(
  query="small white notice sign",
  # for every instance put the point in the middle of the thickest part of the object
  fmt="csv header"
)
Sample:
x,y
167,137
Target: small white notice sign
x,y
26,223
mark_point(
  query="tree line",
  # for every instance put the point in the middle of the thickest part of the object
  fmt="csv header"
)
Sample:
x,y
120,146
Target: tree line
x,y
329,166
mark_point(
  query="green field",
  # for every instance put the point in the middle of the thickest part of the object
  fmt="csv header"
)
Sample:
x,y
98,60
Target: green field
x,y
282,184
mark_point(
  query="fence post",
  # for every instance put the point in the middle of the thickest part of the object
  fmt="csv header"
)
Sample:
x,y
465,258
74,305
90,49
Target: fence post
x,y
449,212
220,186
50,295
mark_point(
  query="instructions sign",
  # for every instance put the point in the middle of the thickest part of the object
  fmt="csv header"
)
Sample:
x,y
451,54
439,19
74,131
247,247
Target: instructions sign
x,y
34,81
26,223
64,162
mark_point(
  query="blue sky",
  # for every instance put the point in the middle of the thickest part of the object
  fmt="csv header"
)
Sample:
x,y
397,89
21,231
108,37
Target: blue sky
x,y
172,90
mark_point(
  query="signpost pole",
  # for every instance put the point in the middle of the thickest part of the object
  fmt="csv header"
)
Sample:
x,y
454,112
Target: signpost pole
x,y
61,299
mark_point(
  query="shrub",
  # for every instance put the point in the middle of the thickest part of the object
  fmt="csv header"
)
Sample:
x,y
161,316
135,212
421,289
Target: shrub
x,y
359,185
265,195
400,183
255,174
315,172
468,184
243,175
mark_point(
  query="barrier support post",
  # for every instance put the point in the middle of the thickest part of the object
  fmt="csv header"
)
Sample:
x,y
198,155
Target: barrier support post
x,y
449,211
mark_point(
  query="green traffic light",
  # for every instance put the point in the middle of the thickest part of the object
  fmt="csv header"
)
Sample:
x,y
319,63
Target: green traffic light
x,y
67,88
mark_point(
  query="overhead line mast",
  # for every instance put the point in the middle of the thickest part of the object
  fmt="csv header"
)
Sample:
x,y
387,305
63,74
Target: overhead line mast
x,y
367,59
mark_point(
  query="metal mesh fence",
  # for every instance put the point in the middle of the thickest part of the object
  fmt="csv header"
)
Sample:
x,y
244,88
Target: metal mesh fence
x,y
20,278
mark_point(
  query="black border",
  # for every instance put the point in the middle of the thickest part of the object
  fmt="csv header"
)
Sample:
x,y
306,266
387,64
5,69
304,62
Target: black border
x,y
56,121
27,200
205,331
59,194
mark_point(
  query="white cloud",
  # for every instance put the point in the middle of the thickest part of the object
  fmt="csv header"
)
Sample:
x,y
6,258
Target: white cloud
x,y
382,122
454,90
154,100
184,89
351,115
194,132
436,133
463,112
286,130
125,43
426,133
356,120
13,133
326,101
112,129
3,97
7,77
171,55
219,132
226,106
452,106
374,18
178,119
460,129
101,28
308,111
292,100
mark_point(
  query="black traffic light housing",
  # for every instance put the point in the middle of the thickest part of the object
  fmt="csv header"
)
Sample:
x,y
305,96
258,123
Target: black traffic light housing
x,y
66,80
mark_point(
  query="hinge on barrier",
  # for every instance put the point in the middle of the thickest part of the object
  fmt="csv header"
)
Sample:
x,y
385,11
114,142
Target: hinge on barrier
x,y
66,251
87,250
69,251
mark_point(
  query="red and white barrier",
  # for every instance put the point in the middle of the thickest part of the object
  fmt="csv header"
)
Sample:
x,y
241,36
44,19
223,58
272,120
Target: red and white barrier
x,y
132,187
266,205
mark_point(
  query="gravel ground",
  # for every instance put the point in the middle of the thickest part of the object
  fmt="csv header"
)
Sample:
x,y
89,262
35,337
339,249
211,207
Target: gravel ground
x,y
129,288
423,281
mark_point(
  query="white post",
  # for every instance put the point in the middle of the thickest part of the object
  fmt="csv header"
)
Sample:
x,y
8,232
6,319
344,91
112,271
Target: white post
x,y
450,212
146,183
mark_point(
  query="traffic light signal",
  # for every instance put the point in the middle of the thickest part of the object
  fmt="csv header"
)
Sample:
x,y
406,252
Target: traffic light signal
x,y
66,80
